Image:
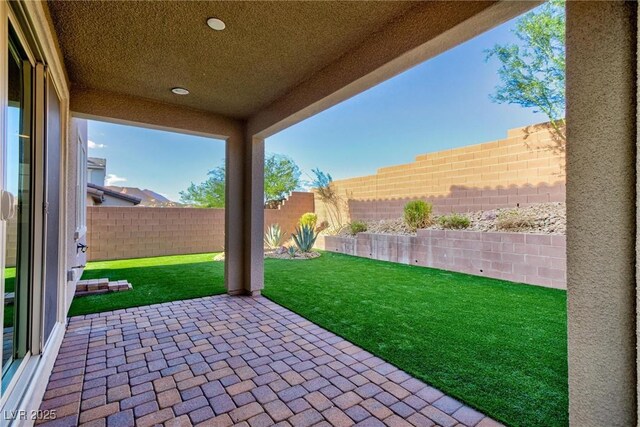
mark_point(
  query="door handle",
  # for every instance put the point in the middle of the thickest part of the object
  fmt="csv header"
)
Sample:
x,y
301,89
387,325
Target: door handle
x,y
7,206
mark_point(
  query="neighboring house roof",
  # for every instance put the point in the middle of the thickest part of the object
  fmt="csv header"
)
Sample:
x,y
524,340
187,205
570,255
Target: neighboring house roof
x,y
96,163
97,192
148,197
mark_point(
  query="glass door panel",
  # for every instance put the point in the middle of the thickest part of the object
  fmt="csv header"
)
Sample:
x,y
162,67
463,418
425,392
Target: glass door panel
x,y
19,183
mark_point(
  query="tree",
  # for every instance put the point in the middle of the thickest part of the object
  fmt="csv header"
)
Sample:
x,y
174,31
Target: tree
x,y
532,72
281,177
209,194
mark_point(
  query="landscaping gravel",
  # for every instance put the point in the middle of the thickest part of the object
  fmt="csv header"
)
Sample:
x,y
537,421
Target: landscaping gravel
x,y
542,218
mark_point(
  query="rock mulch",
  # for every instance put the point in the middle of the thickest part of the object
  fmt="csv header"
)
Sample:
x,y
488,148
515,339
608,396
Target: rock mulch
x,y
280,255
285,255
542,218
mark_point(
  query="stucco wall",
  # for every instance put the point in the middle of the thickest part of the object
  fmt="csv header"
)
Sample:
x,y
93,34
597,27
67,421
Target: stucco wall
x,y
601,203
525,168
75,259
134,232
536,259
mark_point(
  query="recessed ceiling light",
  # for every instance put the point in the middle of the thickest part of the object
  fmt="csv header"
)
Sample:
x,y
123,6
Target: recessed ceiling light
x,y
216,24
180,91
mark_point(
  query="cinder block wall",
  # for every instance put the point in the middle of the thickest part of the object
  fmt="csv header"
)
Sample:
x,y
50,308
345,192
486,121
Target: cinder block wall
x,y
536,259
12,242
135,232
289,213
525,168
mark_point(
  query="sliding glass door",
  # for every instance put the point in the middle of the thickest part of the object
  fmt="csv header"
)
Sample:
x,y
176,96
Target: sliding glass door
x,y
19,194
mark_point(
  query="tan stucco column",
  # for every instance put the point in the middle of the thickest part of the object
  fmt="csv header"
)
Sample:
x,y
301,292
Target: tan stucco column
x,y
234,208
601,212
244,216
254,217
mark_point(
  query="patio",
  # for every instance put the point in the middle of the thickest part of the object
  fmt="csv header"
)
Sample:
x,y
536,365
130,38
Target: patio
x,y
226,360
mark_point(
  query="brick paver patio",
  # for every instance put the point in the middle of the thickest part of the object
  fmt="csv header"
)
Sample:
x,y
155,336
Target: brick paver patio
x,y
220,361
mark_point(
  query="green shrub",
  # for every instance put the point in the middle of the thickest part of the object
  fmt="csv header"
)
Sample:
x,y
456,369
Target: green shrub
x,y
454,221
309,219
304,238
357,227
273,237
514,220
417,214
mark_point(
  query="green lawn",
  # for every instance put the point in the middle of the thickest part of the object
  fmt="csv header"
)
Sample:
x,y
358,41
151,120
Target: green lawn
x,y
9,279
9,286
154,280
498,346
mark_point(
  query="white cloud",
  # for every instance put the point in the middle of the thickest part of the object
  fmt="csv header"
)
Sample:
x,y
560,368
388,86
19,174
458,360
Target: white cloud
x,y
114,179
95,145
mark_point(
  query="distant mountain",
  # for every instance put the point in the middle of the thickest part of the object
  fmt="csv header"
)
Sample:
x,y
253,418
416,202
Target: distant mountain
x,y
149,198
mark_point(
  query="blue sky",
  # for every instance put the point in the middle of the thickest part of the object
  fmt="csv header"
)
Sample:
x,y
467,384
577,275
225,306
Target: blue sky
x,y
442,103
164,162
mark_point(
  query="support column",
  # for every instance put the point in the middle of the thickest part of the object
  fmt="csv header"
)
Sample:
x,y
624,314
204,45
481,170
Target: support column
x,y
244,216
254,217
233,215
601,213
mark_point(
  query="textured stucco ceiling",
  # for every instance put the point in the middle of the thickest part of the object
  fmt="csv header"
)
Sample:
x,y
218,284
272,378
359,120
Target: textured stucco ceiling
x,y
146,48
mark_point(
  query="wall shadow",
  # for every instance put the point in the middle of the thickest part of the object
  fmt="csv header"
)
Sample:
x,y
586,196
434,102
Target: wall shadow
x,y
461,199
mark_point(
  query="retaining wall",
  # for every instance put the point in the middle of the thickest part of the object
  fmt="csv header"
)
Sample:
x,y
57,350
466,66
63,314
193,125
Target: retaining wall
x,y
536,259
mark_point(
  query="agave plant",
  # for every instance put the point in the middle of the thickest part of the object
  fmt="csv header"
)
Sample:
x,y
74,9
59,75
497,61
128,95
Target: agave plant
x,y
273,237
304,238
292,251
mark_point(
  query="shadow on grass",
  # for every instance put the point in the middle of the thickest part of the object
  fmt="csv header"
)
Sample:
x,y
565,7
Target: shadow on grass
x,y
152,284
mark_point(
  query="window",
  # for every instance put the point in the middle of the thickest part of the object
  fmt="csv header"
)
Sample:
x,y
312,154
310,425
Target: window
x,y
81,190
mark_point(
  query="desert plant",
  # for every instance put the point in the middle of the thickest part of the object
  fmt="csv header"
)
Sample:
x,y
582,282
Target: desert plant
x,y
334,204
514,220
417,214
309,219
274,237
291,250
356,227
454,221
304,238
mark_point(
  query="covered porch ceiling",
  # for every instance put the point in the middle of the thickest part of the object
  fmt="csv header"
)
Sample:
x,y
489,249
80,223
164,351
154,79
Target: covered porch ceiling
x,y
272,60
146,48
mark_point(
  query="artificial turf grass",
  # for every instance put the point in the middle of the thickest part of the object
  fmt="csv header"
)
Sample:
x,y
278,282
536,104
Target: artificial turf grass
x,y
498,346
155,280
9,279
9,286
495,345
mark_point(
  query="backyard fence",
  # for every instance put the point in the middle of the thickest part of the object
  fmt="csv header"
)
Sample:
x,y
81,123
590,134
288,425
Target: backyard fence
x,y
136,232
525,168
